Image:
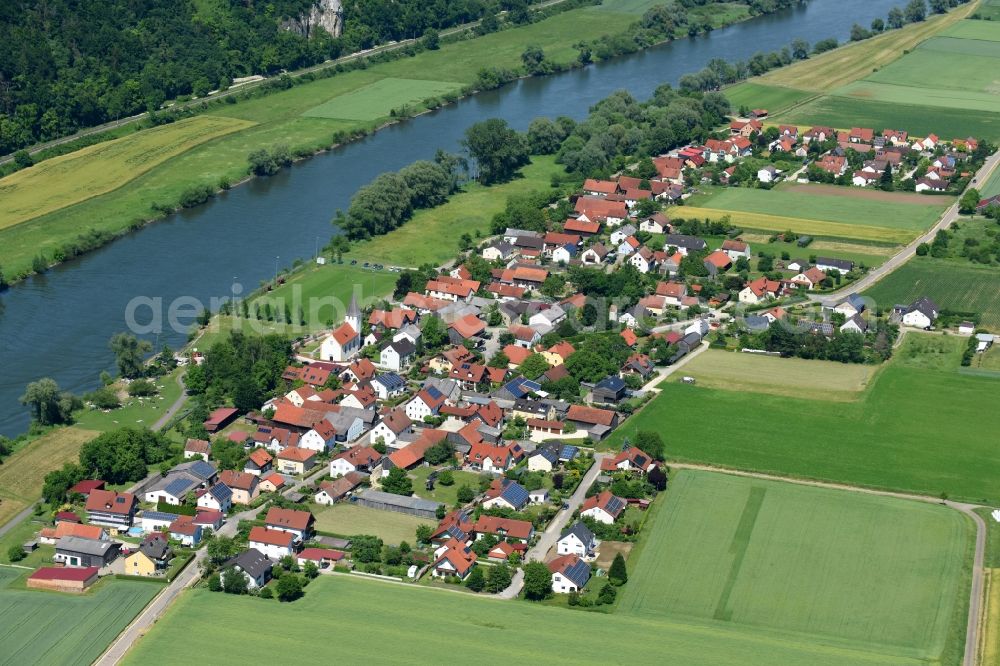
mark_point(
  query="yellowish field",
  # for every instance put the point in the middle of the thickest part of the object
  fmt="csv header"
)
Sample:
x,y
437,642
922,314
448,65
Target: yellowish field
x,y
855,61
793,377
804,226
989,645
101,168
21,474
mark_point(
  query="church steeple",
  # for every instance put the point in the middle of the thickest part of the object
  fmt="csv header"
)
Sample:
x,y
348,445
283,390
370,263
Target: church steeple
x,y
354,314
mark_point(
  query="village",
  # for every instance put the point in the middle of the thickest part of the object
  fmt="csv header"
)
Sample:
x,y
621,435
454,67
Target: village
x,y
475,406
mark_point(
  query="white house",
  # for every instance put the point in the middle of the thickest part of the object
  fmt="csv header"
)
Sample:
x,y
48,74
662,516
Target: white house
x,y
252,565
643,259
321,437
543,460
426,403
604,507
358,458
569,574
345,341
565,253
392,425
594,255
855,324
767,175
621,233
274,544
217,498
388,385
736,249
921,313
577,540
397,355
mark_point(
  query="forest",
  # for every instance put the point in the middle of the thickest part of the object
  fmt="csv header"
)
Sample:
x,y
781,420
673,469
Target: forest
x,y
69,64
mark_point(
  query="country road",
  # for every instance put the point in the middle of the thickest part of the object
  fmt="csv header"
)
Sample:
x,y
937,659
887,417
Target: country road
x,y
895,261
976,591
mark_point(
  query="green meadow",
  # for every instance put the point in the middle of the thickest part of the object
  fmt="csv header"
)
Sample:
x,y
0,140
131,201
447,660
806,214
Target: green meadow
x,y
759,96
376,100
832,565
38,627
956,285
914,429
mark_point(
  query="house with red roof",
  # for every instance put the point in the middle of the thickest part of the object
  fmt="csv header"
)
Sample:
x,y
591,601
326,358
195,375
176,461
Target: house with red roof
x,y
274,544
111,509
631,459
394,423
604,507
569,574
453,559
85,487
494,458
244,485
321,557
258,462
298,523
598,422
503,528
355,459
760,290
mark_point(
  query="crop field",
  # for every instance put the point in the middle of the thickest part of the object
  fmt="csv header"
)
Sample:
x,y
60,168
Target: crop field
x,y
992,186
492,630
953,285
972,29
989,10
22,474
916,430
377,99
95,170
772,98
911,213
802,226
793,377
781,557
53,628
349,519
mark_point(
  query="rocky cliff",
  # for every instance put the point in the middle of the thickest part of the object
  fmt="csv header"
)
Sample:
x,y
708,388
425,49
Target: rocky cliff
x,y
326,14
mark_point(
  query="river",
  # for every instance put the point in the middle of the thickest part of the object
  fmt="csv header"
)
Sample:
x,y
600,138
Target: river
x,y
58,324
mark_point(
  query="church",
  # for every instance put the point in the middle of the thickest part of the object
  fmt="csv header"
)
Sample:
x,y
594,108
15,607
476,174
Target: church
x,y
345,340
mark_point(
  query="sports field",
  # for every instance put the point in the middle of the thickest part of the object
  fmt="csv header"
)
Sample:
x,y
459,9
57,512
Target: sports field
x,y
421,618
794,377
952,284
915,429
831,565
53,628
22,474
350,519
95,170
377,99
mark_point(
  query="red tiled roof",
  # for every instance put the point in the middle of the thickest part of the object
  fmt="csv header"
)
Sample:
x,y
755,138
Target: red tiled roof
x,y
260,457
320,554
518,529
237,480
582,226
296,454
86,486
290,518
469,326
516,353
110,502
74,574
271,537
590,415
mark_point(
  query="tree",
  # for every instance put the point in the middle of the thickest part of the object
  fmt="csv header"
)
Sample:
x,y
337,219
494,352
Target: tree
x,y
58,482
424,533
916,11
923,249
967,204
651,442
431,39
499,360
433,332
800,49
544,136
607,594
465,494
533,366
49,405
365,548
16,553
104,398
441,452
221,548
234,582
122,455
885,180
499,578
129,352
398,482
214,583
618,574
858,33
877,26
537,581
289,588
657,478
446,478
533,59
939,6
896,19
476,580
498,150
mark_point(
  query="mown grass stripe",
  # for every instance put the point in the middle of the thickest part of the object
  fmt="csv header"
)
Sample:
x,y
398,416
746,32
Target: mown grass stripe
x,y
738,549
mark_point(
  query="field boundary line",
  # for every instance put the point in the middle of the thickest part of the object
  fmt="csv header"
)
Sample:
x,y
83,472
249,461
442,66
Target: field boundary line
x,y
738,546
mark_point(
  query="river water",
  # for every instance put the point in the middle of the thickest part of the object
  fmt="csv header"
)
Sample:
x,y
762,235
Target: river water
x,y
58,324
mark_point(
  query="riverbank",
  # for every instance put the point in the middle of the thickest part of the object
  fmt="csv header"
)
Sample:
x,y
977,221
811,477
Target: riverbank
x,y
313,117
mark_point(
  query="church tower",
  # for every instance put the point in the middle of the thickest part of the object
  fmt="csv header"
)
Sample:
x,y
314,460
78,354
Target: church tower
x,y
354,315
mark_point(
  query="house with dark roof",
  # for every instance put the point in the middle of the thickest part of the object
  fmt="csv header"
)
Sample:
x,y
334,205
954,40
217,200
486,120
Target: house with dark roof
x,y
252,565
603,507
569,574
577,540
506,493
217,498
611,390
921,313
388,385
629,459
74,551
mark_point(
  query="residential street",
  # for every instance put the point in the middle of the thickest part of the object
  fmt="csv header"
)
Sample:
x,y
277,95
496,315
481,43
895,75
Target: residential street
x,y
904,255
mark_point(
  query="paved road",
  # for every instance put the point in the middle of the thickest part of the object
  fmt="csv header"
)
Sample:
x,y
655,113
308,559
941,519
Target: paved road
x,y
174,408
904,255
975,593
547,539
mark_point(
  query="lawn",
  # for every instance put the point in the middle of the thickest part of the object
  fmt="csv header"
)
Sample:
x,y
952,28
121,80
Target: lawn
x,y
144,412
492,630
22,474
952,284
95,170
53,628
992,186
347,520
758,96
376,100
831,205
834,566
856,60
792,377
447,495
914,429
803,226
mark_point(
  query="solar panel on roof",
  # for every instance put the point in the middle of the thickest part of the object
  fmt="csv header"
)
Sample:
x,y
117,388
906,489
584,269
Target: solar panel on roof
x,y
615,504
579,573
516,494
178,487
202,469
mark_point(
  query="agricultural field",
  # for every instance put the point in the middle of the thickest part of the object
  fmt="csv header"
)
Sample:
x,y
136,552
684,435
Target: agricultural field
x,y
349,519
782,558
22,474
377,99
53,628
992,186
916,430
758,96
492,630
989,10
95,170
792,377
954,285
